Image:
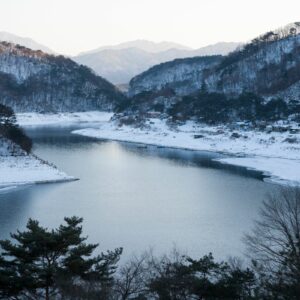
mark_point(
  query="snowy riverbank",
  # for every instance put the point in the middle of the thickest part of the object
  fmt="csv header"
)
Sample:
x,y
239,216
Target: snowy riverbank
x,y
61,119
275,154
18,168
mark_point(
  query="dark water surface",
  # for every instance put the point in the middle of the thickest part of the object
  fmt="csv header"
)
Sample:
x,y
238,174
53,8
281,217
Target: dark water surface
x,y
139,197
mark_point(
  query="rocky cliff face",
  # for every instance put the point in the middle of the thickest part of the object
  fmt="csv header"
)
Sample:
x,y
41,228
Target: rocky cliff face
x,y
36,81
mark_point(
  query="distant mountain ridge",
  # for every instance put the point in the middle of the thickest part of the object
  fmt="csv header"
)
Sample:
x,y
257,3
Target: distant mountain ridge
x,y
24,41
140,44
122,62
34,81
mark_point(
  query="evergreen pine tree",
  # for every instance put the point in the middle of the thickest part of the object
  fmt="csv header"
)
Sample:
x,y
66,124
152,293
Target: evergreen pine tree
x,y
41,262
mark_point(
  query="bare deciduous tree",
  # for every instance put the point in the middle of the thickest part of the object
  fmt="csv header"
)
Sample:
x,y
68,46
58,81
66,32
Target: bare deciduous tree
x,y
275,240
131,280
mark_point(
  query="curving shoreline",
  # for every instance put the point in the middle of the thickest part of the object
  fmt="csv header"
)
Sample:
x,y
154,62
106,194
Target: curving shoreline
x,y
21,169
270,154
26,170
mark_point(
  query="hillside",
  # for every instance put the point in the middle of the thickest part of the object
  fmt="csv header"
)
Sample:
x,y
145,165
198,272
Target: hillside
x,y
35,81
122,62
18,165
268,66
184,76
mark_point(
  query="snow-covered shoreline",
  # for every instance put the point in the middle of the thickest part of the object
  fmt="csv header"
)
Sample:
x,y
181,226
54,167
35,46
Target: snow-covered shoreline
x,y
27,170
277,155
278,170
19,168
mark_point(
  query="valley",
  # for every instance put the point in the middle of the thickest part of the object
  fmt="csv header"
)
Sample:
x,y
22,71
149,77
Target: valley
x,y
149,150
209,103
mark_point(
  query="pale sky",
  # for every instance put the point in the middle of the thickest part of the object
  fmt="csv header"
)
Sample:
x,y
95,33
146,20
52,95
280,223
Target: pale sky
x,y
72,26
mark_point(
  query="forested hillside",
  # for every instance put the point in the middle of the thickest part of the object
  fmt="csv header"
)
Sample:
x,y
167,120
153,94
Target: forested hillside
x,y
36,81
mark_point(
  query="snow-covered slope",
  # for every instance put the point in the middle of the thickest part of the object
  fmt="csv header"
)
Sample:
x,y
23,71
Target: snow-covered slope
x,y
268,66
18,168
26,42
36,81
184,76
122,62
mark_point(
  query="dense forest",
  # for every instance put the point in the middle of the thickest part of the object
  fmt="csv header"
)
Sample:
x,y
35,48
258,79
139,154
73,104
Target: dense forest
x,y
217,108
33,81
210,108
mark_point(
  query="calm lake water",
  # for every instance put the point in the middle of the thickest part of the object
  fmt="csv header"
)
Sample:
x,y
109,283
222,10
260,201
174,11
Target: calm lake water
x,y
139,197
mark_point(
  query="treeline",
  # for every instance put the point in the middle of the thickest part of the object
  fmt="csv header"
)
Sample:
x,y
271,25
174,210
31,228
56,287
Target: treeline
x,y
218,108
39,263
257,43
10,130
210,108
52,84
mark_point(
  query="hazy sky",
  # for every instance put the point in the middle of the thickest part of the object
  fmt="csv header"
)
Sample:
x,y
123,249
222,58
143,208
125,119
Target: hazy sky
x,y
71,26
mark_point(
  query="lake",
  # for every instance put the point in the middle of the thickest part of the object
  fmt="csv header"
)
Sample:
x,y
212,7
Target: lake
x,y
138,197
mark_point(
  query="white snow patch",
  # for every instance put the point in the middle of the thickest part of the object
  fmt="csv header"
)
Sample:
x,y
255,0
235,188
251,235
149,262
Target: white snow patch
x,y
28,169
37,119
19,168
279,170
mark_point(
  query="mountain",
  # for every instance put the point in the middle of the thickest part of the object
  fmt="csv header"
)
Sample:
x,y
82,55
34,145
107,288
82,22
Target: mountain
x,y
122,62
26,42
268,66
260,81
184,76
221,48
35,81
118,66
145,45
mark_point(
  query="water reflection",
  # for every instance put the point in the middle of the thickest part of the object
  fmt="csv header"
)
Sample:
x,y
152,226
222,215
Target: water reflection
x,y
138,197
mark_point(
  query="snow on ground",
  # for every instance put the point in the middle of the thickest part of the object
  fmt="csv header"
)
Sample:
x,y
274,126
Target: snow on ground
x,y
36,119
18,168
280,170
276,154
